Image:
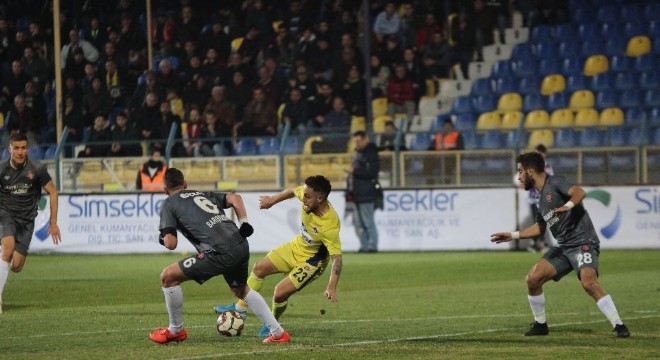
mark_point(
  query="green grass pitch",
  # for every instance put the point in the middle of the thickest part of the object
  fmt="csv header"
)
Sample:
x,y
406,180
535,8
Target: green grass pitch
x,y
435,305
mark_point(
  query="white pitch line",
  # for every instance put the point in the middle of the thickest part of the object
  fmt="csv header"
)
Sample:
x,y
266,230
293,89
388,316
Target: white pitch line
x,y
375,342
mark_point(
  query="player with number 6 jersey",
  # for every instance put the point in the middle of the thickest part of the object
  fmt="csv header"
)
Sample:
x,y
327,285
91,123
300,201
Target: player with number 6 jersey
x,y
223,250
306,256
560,210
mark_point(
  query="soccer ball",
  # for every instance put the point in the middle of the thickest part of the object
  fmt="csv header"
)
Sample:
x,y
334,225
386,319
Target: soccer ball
x,y
230,323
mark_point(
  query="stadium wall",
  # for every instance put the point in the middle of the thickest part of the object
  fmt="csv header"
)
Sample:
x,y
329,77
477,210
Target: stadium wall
x,y
412,220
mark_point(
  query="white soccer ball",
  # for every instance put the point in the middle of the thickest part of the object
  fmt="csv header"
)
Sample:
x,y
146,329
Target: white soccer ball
x,y
230,323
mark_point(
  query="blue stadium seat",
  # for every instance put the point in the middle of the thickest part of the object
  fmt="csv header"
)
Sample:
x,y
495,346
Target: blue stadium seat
x,y
630,98
582,14
501,69
269,146
634,28
637,137
548,67
438,122
470,140
462,104
645,63
608,14
655,43
484,103
50,152
634,116
625,81
654,117
652,98
546,51
515,139
420,142
5,154
522,51
523,68
654,29
652,11
593,161
565,32
558,100
481,87
569,49
292,146
465,122
615,46
606,99
492,140
35,153
591,47
541,34
572,66
590,137
616,136
529,85
565,138
577,82
611,30
620,63
602,81
533,101
655,136
631,13
505,85
589,31
246,147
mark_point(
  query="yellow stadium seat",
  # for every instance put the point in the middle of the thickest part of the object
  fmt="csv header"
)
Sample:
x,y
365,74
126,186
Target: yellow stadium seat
x,y
582,99
511,120
379,106
596,64
307,147
611,117
552,84
276,25
379,123
2,120
489,121
537,137
586,118
638,46
537,119
562,118
510,102
430,87
358,123
280,110
236,43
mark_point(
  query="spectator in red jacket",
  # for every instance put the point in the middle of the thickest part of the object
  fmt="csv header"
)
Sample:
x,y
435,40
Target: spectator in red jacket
x,y
401,93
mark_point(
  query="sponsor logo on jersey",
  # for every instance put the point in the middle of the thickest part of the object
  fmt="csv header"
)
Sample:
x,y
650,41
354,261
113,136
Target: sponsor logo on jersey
x,y
548,197
30,175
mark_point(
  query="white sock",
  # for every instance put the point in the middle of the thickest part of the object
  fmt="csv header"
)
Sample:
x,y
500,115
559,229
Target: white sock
x,y
259,307
537,303
606,305
174,303
4,273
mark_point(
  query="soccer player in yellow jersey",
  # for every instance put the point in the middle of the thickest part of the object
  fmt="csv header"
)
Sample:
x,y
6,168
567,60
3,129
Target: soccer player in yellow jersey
x,y
306,256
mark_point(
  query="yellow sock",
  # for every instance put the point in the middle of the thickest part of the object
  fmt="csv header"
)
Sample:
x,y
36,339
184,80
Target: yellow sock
x,y
255,283
278,308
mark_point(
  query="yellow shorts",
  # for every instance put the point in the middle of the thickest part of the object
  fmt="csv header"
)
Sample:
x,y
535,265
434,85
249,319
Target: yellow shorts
x,y
301,273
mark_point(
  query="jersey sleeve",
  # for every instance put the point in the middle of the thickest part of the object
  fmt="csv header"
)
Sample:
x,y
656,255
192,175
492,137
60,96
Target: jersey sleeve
x,y
561,185
43,175
167,217
218,198
300,192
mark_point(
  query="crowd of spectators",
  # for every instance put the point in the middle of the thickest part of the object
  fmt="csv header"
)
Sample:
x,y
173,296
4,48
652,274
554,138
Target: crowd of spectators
x,y
298,61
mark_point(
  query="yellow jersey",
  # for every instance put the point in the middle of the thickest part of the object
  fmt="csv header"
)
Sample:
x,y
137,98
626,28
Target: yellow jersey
x,y
319,235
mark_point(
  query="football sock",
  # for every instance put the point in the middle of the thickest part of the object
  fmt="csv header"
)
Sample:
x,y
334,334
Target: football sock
x,y
174,303
279,308
537,303
255,283
606,305
259,307
4,273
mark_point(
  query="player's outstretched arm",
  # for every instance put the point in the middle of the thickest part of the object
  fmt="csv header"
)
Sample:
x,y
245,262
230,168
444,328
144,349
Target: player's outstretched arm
x,y
530,232
53,229
577,194
236,201
331,290
266,202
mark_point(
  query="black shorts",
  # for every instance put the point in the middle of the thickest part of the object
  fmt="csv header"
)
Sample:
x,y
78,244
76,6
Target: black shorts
x,y
20,229
205,265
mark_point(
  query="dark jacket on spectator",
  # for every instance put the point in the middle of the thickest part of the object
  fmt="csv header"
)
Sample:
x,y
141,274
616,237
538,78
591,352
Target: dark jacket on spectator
x,y
365,173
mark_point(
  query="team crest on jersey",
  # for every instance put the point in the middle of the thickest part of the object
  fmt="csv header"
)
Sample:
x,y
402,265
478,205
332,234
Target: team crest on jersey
x,y
6,177
585,247
316,230
548,197
30,175
200,256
